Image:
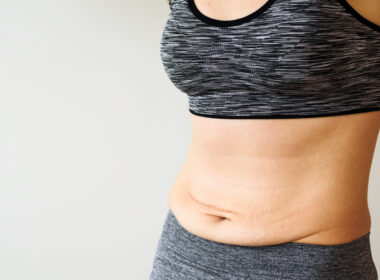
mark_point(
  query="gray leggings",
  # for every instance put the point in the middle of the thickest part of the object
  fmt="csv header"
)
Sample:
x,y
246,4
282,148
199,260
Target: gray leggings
x,y
181,255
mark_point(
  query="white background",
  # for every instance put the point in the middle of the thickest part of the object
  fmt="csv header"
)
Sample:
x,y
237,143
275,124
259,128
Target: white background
x,y
92,136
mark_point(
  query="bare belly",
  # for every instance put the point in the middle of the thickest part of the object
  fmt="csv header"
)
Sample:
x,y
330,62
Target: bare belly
x,y
259,182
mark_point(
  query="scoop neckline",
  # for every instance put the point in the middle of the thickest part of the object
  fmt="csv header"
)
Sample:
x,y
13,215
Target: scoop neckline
x,y
227,23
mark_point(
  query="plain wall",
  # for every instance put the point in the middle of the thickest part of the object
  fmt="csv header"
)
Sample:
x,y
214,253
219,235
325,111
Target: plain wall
x,y
92,137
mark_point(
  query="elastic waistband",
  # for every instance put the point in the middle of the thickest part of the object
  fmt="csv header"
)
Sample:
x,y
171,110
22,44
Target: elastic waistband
x,y
291,260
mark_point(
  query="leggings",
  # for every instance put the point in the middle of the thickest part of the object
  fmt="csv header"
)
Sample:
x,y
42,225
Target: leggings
x,y
181,255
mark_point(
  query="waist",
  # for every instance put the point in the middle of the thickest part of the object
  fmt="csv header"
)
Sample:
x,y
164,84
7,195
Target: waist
x,y
261,201
288,260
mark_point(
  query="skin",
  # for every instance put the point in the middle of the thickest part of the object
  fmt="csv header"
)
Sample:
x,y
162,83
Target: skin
x,y
259,182
228,10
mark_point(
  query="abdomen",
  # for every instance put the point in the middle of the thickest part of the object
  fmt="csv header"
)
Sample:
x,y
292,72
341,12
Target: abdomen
x,y
260,182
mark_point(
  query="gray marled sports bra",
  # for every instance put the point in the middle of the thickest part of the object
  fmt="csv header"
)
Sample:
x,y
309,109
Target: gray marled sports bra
x,y
288,59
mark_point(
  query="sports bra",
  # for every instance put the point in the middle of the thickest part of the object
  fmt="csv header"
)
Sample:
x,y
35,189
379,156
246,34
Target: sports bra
x,y
287,59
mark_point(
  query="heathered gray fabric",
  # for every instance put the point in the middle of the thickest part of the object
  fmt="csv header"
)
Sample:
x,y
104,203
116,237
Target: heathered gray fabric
x,y
180,255
297,58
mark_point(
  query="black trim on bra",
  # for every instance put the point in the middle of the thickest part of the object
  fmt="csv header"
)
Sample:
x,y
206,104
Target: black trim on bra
x,y
354,111
358,16
227,23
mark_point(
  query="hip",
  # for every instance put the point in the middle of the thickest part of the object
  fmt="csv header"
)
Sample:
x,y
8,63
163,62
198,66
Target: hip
x,y
182,255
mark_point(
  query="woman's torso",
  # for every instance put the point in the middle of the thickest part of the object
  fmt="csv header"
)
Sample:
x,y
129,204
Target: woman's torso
x,y
268,181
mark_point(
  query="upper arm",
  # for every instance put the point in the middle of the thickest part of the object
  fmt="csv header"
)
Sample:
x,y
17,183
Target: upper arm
x,y
169,3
